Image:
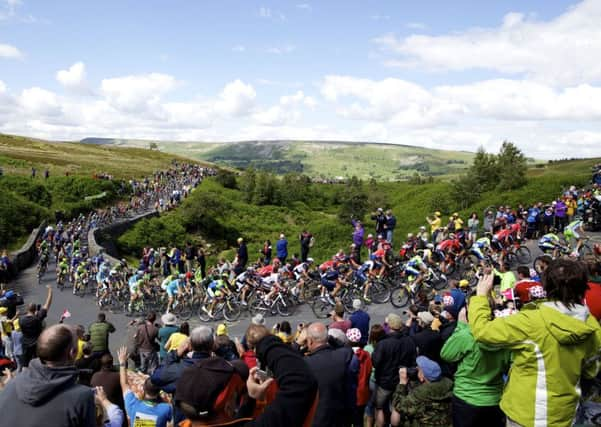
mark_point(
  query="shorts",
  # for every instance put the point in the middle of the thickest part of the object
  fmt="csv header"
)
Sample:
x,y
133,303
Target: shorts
x,y
383,397
171,292
571,234
410,271
328,284
478,253
546,247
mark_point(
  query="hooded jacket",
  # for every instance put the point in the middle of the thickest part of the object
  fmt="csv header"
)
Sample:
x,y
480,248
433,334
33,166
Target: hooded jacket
x,y
50,397
552,346
427,405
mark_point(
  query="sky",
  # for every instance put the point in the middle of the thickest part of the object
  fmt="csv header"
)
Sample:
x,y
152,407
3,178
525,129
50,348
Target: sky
x,y
439,74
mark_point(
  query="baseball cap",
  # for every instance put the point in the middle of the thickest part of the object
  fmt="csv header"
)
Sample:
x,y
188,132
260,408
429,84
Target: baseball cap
x,y
430,368
258,319
357,304
463,283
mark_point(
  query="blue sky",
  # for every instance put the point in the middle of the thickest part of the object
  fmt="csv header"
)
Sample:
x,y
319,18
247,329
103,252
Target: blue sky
x,y
440,74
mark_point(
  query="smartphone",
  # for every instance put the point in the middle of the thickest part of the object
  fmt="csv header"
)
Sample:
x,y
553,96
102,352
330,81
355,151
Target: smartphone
x,y
262,375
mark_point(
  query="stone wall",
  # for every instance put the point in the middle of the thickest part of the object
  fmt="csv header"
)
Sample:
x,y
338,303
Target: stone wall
x,y
24,257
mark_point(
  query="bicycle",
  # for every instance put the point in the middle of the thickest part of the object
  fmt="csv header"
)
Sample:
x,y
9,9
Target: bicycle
x,y
228,308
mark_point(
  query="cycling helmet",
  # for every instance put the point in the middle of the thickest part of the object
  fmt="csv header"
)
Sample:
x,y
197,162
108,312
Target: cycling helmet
x,y
552,230
430,246
463,283
9,294
422,228
310,260
410,235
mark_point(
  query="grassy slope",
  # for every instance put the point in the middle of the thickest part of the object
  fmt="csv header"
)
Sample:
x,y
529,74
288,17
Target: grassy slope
x,y
328,159
18,155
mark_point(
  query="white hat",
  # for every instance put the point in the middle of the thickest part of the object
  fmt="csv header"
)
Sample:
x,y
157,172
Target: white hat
x,y
357,304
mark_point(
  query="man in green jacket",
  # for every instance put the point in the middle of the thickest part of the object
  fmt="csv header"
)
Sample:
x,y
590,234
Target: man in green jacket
x,y
478,380
428,404
99,335
553,344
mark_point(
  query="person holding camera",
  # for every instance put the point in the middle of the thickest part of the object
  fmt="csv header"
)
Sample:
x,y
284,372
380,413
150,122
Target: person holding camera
x,y
426,404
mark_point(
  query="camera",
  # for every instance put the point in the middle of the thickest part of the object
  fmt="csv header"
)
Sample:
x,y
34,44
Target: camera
x,y
411,373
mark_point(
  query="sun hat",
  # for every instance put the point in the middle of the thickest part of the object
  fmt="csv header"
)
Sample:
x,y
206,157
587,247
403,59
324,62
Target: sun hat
x,y
354,335
430,368
463,283
357,304
168,319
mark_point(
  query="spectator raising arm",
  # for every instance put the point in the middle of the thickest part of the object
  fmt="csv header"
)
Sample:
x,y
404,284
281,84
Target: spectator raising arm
x,y
48,302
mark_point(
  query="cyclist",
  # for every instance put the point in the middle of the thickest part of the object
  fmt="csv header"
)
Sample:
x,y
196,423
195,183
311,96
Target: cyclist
x,y
134,283
62,269
301,274
502,238
81,274
481,247
215,291
448,249
575,230
416,268
550,242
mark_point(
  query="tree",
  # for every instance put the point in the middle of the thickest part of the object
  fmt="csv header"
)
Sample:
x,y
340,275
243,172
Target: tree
x,y
248,184
153,146
512,167
484,169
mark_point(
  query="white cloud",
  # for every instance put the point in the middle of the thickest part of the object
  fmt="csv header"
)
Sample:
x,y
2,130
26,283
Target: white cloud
x,y
138,92
378,17
9,51
281,50
268,13
564,50
416,26
239,48
299,98
73,78
36,101
304,6
286,112
236,99
264,12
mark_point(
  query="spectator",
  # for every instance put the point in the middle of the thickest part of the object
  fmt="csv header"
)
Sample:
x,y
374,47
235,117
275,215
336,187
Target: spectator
x,y
168,329
553,346
281,249
360,320
306,241
365,368
427,341
336,371
380,220
389,355
473,223
110,414
31,325
428,404
108,379
489,222
99,335
150,407
241,256
189,254
435,225
389,225
338,320
284,332
266,252
478,380
146,336
224,346
17,341
524,283
358,234
202,261
47,394
506,275
198,347
177,338
87,365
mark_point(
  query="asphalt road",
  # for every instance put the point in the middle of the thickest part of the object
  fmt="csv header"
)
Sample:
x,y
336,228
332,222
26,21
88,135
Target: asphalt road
x,y
84,310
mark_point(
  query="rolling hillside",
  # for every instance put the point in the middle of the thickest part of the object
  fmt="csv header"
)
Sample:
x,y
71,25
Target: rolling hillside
x,y
327,159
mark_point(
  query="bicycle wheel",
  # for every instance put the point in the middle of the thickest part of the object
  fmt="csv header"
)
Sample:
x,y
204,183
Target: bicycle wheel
x,y
231,311
399,297
438,280
321,309
256,306
379,293
285,307
585,250
523,255
203,315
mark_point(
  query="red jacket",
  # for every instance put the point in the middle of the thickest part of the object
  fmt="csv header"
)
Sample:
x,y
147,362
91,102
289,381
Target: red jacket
x,y
365,368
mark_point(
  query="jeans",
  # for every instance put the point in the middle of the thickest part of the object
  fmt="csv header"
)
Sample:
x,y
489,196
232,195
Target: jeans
x,y
466,415
148,361
389,236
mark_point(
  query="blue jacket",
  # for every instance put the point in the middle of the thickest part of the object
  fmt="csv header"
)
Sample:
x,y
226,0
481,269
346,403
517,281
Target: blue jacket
x,y
281,248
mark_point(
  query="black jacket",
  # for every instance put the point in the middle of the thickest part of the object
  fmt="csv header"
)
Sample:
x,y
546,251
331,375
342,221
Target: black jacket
x,y
297,386
50,397
390,354
167,374
336,372
428,343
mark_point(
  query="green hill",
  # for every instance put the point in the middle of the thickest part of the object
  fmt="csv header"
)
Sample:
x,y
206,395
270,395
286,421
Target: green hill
x,y
318,159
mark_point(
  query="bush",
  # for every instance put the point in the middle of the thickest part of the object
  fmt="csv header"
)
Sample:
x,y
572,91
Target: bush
x,y
18,217
155,232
